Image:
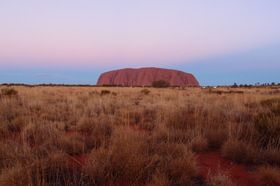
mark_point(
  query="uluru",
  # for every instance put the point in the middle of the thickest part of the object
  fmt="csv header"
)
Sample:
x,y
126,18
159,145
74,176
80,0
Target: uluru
x,y
146,77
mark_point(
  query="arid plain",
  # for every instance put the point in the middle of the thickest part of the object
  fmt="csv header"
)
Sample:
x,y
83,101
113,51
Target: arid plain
x,y
63,135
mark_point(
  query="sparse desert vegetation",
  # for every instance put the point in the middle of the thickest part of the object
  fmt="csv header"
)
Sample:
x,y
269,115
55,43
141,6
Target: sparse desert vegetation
x,y
56,135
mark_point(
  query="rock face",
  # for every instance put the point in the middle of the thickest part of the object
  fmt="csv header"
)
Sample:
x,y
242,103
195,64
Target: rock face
x,y
145,77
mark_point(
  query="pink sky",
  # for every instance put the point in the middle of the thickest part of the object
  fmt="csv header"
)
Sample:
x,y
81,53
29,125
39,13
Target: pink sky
x,y
104,33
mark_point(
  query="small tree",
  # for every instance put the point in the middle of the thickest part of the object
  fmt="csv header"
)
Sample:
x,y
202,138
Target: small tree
x,y
234,85
161,84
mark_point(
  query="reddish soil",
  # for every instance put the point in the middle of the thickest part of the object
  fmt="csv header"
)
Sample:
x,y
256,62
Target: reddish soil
x,y
212,162
78,161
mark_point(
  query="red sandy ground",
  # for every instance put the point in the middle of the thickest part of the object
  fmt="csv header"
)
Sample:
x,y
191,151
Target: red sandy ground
x,y
213,162
78,161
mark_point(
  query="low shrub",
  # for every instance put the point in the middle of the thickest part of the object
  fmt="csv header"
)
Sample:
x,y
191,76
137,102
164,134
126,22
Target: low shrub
x,y
37,134
159,179
9,92
239,151
13,154
17,124
199,144
98,166
4,132
273,104
145,91
105,92
72,144
14,176
268,125
176,162
216,137
270,156
268,176
178,119
127,159
160,84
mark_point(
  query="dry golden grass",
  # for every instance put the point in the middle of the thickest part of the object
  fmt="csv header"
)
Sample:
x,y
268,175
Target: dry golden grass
x,y
132,135
267,176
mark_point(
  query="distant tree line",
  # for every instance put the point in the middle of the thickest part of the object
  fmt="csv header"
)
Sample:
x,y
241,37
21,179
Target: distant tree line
x,y
256,84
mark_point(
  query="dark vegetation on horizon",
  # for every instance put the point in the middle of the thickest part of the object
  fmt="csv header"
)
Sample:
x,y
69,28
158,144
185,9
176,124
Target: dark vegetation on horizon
x,y
158,83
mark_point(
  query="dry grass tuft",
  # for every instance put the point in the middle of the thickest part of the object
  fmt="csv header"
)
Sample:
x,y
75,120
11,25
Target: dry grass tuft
x,y
239,151
216,137
9,92
267,176
199,144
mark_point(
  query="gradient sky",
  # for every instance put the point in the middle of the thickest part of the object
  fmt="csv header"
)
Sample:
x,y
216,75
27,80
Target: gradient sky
x,y
73,42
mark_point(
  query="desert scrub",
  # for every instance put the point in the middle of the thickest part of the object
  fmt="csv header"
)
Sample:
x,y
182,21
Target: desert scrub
x,y
17,124
72,144
9,92
40,133
178,119
4,132
145,91
199,144
13,154
176,162
267,176
105,92
216,137
98,131
51,170
268,125
126,159
272,104
159,179
160,84
129,157
240,152
97,168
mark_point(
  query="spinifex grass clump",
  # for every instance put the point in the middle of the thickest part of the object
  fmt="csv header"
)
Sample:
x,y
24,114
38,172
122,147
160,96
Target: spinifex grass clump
x,y
267,175
272,104
105,92
9,92
132,158
145,91
268,123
